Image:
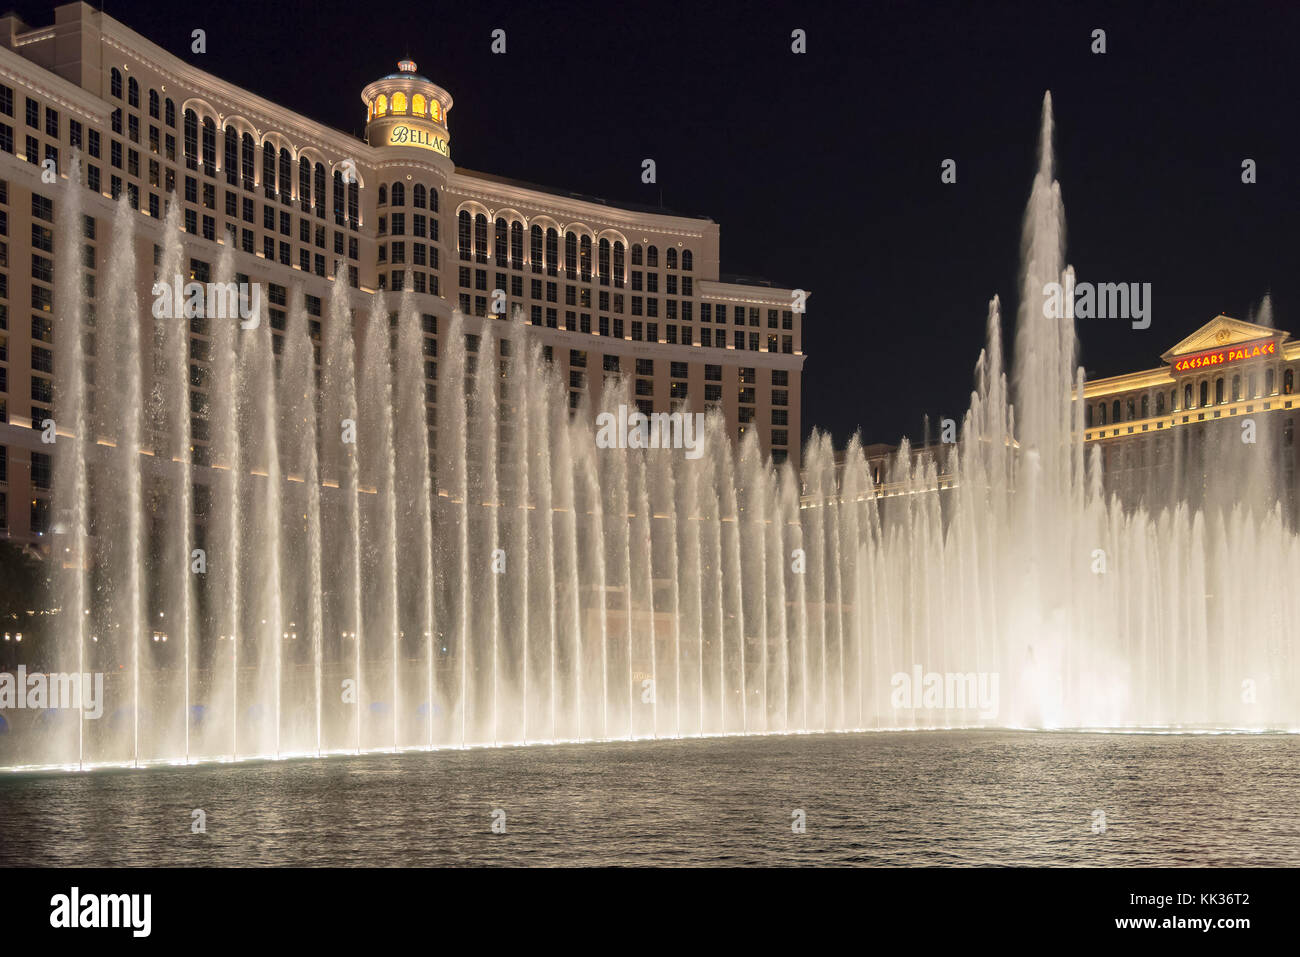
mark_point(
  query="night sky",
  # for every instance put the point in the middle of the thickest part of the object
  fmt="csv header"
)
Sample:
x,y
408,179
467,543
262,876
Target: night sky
x,y
824,168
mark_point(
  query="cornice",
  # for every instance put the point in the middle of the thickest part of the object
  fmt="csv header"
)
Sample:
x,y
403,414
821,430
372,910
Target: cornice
x,y
466,185
238,101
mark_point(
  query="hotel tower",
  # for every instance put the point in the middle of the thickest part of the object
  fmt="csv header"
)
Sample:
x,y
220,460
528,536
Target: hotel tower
x,y
607,289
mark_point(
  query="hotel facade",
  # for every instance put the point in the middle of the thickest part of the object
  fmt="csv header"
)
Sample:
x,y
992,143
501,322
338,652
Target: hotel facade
x,y
1226,391
1178,431
608,289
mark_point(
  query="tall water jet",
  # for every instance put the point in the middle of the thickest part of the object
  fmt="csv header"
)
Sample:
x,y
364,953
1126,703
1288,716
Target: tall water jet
x,y
379,464
453,484
302,505
227,486
414,493
341,466
173,460
119,493
73,439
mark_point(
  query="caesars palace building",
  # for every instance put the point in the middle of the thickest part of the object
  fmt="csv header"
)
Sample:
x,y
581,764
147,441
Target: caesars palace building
x,y
1226,394
609,289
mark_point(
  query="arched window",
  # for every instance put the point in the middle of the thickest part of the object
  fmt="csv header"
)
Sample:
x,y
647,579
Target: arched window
x,y
516,245
1114,411
230,155
1252,383
435,111
1101,414
1270,381
210,146
1173,399
480,238
535,248
552,252
1205,393
248,160
418,194
602,262
170,112
620,267
571,254
670,258
1087,416
115,83
338,197
354,204
398,195
463,235
1236,387
286,174
1160,403
1288,382
1187,396
304,183
155,105
501,241
132,93
652,257
688,260
1146,406
191,138
584,258
636,254
320,189
433,199
419,106
1132,412
1218,391
399,102
383,195
381,105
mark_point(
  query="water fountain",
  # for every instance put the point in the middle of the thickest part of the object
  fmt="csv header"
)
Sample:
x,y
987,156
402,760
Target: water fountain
x,y
366,588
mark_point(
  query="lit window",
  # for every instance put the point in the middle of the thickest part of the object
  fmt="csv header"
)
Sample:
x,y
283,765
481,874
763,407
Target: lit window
x,y
381,105
418,104
399,102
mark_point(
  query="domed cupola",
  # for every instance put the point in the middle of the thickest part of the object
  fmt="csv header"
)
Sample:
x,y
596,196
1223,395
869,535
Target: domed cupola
x,y
407,110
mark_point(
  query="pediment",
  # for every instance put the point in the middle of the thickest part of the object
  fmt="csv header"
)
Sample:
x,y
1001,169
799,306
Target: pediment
x,y
1223,331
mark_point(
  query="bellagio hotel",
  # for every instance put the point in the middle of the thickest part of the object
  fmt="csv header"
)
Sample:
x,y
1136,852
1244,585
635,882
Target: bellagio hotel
x,y
610,289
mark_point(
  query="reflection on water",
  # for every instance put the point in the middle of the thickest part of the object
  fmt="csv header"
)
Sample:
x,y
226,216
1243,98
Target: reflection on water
x,y
913,798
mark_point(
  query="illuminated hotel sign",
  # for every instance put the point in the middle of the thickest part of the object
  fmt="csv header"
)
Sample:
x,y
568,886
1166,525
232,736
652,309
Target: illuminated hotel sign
x,y
403,134
1257,349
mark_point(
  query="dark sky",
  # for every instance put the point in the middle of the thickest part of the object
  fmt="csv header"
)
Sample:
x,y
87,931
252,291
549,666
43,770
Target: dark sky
x,y
823,169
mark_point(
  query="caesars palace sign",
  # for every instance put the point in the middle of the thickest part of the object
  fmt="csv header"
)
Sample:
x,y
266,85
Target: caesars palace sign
x,y
404,134
1259,348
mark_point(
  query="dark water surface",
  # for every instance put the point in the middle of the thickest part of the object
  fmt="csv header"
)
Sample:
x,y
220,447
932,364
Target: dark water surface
x,y
908,798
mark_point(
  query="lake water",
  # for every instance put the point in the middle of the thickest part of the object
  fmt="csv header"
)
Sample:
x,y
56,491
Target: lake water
x,y
888,799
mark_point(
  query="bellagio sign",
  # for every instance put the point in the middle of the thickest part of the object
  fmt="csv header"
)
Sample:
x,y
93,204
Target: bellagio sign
x,y
403,134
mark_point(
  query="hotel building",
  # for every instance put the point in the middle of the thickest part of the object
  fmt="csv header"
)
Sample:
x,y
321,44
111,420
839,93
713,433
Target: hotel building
x,y
1170,433
1229,388
610,289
